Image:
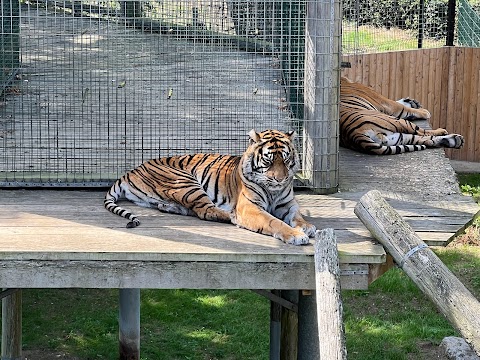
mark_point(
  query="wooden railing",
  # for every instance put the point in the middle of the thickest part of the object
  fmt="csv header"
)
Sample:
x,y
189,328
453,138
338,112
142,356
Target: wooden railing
x,y
445,80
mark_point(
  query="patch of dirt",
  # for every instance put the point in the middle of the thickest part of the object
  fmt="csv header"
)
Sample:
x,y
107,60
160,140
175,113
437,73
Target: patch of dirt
x,y
470,237
428,351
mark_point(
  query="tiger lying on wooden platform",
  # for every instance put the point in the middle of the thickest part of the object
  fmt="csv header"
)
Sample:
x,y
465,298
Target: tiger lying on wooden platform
x,y
254,191
374,124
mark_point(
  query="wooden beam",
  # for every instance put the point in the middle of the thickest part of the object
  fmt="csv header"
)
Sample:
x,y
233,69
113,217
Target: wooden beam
x,y
422,265
330,308
320,325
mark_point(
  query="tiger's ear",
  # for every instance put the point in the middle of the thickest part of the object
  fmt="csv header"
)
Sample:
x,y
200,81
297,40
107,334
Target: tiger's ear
x,y
254,137
291,134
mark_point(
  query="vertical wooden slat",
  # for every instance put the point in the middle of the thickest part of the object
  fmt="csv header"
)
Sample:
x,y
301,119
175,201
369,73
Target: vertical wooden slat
x,y
464,122
423,83
446,63
432,87
400,73
458,80
372,75
385,74
476,100
393,68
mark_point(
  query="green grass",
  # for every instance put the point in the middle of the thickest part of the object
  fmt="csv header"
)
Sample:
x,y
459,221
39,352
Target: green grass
x,y
175,324
367,39
470,185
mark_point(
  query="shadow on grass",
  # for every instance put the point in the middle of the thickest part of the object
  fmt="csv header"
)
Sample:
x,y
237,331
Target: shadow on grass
x,y
175,324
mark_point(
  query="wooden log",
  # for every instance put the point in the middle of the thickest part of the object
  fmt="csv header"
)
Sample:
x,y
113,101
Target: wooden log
x,y
129,324
11,348
330,308
422,265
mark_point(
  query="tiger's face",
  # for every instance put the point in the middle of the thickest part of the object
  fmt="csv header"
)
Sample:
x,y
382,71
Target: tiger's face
x,y
270,160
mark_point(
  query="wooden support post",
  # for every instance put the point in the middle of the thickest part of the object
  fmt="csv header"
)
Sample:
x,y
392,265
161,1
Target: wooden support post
x,y
321,94
129,324
275,327
289,331
307,326
12,327
320,315
422,265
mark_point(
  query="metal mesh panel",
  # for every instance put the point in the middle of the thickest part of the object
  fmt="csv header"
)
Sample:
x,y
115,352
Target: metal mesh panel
x,y
468,24
389,25
101,86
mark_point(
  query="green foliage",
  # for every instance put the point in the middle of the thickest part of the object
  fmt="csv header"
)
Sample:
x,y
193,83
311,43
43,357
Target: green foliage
x,y
401,14
470,185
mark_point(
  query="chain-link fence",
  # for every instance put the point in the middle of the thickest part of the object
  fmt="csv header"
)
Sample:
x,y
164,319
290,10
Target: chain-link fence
x,y
93,88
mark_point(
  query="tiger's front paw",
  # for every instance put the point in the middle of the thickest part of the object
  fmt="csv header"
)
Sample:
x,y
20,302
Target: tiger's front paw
x,y
292,236
298,240
410,103
308,229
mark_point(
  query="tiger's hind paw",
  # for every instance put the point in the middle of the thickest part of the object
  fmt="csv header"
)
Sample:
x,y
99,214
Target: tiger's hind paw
x,y
454,141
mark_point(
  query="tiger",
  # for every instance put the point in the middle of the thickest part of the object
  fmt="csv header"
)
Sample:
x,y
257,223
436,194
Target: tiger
x,y
253,191
374,124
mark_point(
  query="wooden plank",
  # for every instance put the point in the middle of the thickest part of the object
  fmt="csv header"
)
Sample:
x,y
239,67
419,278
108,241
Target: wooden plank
x,y
431,89
472,102
476,101
392,82
458,80
171,275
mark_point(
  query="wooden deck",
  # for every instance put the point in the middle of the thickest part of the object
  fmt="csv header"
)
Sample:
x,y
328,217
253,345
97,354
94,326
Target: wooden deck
x,y
42,231
66,239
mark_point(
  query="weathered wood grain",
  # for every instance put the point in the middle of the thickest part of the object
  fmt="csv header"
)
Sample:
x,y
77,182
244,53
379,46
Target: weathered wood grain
x,y
329,302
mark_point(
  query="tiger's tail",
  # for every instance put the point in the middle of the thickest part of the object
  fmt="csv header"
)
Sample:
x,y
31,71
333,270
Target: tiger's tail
x,y
110,202
393,149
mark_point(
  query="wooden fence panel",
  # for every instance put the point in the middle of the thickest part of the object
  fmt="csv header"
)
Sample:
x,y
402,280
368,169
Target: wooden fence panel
x,y
445,80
